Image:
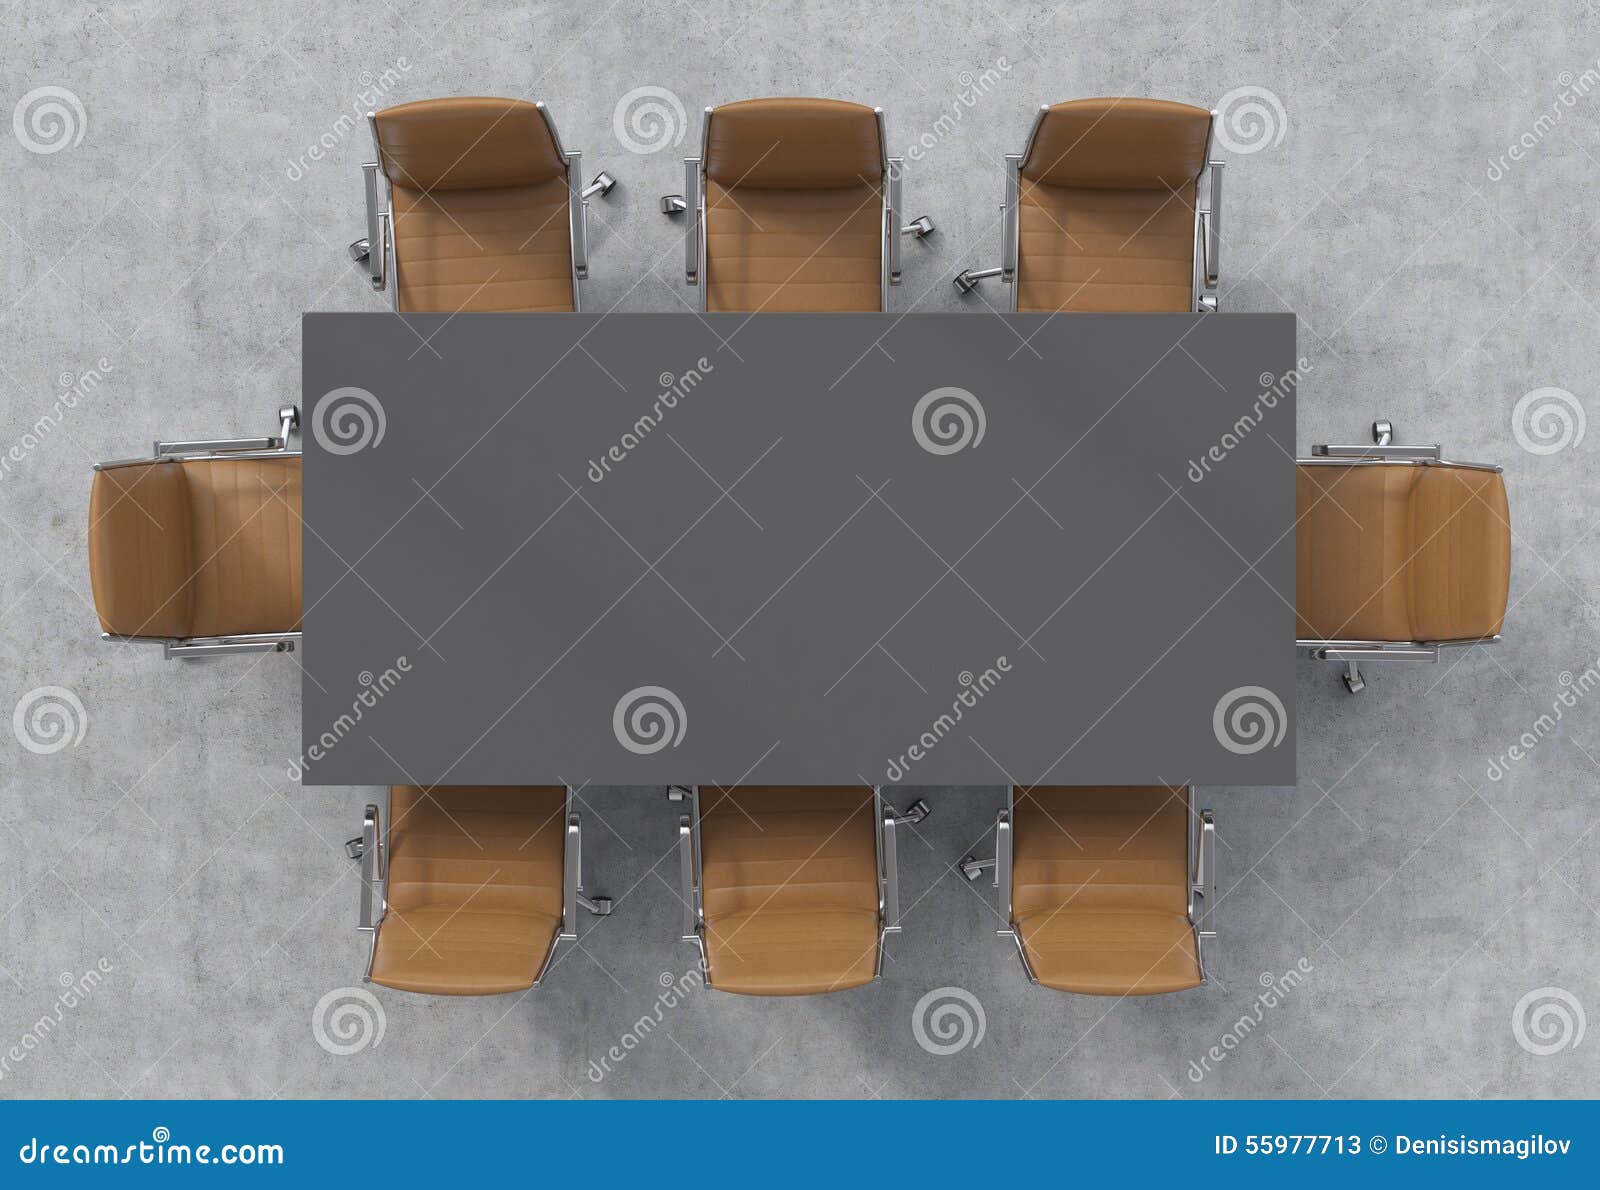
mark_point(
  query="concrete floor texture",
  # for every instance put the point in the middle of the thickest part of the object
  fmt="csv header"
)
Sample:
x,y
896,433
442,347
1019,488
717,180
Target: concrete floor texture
x,y
1411,178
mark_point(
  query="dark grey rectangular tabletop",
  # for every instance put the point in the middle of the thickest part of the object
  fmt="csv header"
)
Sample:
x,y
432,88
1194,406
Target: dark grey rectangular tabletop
x,y
931,549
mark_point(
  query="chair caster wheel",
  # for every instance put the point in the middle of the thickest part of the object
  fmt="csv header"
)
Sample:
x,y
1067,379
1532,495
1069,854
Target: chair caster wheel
x,y
1353,681
971,868
920,227
602,906
673,204
964,282
1383,432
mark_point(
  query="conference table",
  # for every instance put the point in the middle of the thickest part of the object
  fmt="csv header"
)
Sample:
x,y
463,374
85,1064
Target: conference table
x,y
926,549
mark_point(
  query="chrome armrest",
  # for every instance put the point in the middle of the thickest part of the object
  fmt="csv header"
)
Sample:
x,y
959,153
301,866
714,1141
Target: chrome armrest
x,y
693,225
288,422
1002,863
578,215
571,876
1204,882
374,250
373,870
688,889
890,875
1213,230
1384,453
1009,214
891,220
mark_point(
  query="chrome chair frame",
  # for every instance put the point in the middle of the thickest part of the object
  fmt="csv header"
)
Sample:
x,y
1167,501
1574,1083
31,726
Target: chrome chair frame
x,y
272,447
1201,867
692,204
1203,287
689,858
371,848
380,214
1351,652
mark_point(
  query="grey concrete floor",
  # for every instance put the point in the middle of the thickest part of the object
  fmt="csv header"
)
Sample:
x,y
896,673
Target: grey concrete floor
x,y
171,241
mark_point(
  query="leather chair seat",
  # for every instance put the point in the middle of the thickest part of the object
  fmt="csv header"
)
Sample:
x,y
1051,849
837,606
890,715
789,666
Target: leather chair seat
x,y
508,248
474,888
1100,888
1105,250
246,518
788,250
1395,552
202,547
789,885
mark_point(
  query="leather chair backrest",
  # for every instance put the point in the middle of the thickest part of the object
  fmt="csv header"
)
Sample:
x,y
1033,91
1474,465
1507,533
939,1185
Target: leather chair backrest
x,y
793,144
1119,144
466,144
141,552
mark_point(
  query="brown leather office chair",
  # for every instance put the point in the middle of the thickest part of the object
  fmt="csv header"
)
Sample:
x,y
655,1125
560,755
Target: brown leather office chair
x,y
473,887
197,548
1107,209
789,890
1399,553
793,204
485,211
1098,888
